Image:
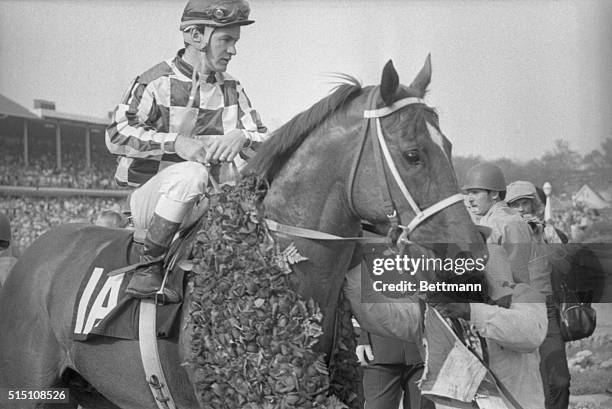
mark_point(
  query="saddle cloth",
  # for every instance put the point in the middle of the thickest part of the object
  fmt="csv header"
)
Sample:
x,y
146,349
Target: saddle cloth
x,y
102,307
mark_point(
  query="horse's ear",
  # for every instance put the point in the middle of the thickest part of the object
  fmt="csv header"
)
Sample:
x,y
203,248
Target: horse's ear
x,y
423,78
389,83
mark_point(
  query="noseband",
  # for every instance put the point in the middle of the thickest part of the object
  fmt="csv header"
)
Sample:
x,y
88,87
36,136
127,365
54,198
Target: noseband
x,y
381,150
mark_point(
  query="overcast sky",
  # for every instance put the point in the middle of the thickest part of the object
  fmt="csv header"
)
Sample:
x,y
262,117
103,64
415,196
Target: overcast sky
x,y
509,77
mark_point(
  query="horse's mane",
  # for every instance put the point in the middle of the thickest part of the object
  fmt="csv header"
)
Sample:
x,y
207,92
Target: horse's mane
x,y
273,153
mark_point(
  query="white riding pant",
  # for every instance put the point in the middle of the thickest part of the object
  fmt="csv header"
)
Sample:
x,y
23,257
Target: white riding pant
x,y
171,193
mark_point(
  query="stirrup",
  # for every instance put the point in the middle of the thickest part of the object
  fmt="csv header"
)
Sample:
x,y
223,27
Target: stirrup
x,y
160,297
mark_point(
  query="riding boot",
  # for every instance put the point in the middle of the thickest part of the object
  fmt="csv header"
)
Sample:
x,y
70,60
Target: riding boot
x,y
147,281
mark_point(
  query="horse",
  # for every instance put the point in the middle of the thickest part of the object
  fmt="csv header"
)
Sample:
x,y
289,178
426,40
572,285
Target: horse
x,y
326,174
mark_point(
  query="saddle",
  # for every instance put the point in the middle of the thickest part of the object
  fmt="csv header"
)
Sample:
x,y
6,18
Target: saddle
x,y
102,307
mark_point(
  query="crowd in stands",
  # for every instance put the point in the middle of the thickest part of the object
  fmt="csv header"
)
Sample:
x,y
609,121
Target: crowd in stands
x,y
42,171
32,216
576,221
40,174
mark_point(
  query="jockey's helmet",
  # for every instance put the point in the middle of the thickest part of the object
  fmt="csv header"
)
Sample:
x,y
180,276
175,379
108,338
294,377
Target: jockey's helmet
x,y
485,176
216,13
5,231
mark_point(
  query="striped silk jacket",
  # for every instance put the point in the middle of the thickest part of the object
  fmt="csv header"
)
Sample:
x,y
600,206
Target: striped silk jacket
x,y
157,107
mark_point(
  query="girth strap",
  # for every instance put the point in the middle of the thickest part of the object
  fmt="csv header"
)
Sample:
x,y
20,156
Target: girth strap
x,y
147,339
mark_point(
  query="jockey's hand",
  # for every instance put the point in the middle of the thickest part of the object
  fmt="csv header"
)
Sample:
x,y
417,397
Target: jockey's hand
x,y
226,147
190,149
364,354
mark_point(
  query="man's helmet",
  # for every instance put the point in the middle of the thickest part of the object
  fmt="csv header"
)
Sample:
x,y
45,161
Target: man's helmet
x,y
521,189
5,231
485,176
216,13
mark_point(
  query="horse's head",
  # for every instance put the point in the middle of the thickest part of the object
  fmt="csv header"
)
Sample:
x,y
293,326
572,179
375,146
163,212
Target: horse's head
x,y
373,154
405,177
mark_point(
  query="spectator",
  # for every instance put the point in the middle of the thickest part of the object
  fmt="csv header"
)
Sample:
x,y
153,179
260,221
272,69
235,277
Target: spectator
x,y
7,258
391,368
522,196
514,326
486,190
111,218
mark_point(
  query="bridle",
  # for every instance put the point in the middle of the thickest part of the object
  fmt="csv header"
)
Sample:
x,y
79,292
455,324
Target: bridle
x,y
381,152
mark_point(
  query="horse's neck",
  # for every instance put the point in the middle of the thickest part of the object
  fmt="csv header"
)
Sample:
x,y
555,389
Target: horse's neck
x,y
326,213
310,192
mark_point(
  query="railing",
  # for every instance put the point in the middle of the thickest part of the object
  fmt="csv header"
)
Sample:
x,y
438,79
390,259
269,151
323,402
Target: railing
x,y
60,191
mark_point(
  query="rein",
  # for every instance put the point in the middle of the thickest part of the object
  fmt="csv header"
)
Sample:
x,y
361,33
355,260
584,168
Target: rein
x,y
381,150
315,234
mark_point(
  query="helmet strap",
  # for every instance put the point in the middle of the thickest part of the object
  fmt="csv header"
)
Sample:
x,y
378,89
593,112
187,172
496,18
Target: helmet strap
x,y
208,32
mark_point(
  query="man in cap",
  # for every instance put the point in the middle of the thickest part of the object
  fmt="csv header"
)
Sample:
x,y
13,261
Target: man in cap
x,y
485,186
523,196
176,120
529,201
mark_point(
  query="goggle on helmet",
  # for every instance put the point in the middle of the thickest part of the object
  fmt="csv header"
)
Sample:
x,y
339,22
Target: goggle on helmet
x,y
216,13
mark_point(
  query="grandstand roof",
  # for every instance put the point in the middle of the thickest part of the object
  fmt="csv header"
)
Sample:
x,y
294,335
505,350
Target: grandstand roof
x,y
53,114
11,108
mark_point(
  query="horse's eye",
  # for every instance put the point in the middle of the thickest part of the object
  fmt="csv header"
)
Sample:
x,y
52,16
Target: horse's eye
x,y
413,157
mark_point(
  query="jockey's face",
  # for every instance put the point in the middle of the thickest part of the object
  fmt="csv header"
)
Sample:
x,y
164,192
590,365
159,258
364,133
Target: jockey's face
x,y
479,201
523,205
221,48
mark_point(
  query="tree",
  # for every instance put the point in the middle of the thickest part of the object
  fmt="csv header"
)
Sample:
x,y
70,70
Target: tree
x,y
462,164
594,160
561,165
562,156
606,147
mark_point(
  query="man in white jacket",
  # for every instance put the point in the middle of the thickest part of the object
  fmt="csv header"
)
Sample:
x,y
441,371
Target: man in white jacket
x,y
514,326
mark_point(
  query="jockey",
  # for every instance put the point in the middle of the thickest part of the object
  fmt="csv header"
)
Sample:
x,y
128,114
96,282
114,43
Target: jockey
x,y
486,189
180,122
523,196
